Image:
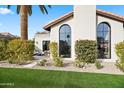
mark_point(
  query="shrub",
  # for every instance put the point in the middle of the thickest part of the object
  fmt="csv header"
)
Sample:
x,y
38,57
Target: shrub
x,y
120,53
42,62
120,66
86,51
98,65
58,62
3,49
53,49
55,56
20,51
79,64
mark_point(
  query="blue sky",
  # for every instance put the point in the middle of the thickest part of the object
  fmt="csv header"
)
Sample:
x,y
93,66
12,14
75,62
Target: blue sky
x,y
10,21
117,9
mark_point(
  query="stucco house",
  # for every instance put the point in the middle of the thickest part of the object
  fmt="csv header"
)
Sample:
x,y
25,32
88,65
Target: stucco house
x,y
85,22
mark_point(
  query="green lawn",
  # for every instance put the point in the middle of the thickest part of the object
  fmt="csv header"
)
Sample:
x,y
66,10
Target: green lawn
x,y
41,78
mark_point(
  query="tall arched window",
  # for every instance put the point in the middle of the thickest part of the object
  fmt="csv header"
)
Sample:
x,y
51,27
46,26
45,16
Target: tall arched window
x,y
103,40
65,41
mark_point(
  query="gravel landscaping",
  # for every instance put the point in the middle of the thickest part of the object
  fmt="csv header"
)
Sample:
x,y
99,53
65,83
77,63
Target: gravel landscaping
x,y
108,67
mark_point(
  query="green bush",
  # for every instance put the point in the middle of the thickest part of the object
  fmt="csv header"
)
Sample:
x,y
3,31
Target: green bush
x,y
53,49
20,51
98,65
3,49
58,62
120,66
86,52
55,56
120,53
42,62
79,64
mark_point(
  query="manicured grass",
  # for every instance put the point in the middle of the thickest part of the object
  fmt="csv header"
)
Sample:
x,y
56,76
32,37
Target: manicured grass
x,y
41,78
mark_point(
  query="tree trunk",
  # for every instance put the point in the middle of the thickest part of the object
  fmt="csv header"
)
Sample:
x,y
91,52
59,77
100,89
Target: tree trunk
x,y
24,22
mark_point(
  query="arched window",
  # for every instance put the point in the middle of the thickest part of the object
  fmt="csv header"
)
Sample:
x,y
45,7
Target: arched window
x,y
65,41
103,40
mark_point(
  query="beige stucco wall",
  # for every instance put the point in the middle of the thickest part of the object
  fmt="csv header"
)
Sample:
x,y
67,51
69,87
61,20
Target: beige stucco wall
x,y
83,26
117,35
84,23
39,38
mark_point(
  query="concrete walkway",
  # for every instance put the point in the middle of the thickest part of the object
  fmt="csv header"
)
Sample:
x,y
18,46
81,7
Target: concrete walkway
x,y
34,62
30,65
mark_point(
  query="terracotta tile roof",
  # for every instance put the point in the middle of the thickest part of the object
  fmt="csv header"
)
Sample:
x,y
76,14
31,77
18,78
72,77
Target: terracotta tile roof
x,y
99,12
110,15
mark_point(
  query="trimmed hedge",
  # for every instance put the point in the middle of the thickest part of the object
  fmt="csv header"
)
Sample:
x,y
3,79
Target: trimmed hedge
x,y
53,49
86,52
120,53
3,49
20,51
55,56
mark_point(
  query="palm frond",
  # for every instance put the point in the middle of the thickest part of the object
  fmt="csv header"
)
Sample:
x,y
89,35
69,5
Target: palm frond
x,y
8,6
43,9
18,9
49,6
30,10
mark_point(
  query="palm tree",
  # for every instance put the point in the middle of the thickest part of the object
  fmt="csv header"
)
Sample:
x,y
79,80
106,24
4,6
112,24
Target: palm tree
x,y
24,11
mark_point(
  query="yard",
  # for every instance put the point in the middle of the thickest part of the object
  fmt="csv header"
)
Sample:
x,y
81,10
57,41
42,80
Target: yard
x,y
57,79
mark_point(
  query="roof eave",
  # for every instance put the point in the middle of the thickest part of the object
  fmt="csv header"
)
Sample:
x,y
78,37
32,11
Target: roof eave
x,y
110,15
48,26
99,12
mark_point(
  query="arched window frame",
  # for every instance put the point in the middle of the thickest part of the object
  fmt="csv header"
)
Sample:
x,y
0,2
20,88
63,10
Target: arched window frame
x,y
109,50
70,38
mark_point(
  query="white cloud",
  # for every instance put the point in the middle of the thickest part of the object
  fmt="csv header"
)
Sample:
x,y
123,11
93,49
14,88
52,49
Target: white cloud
x,y
5,11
